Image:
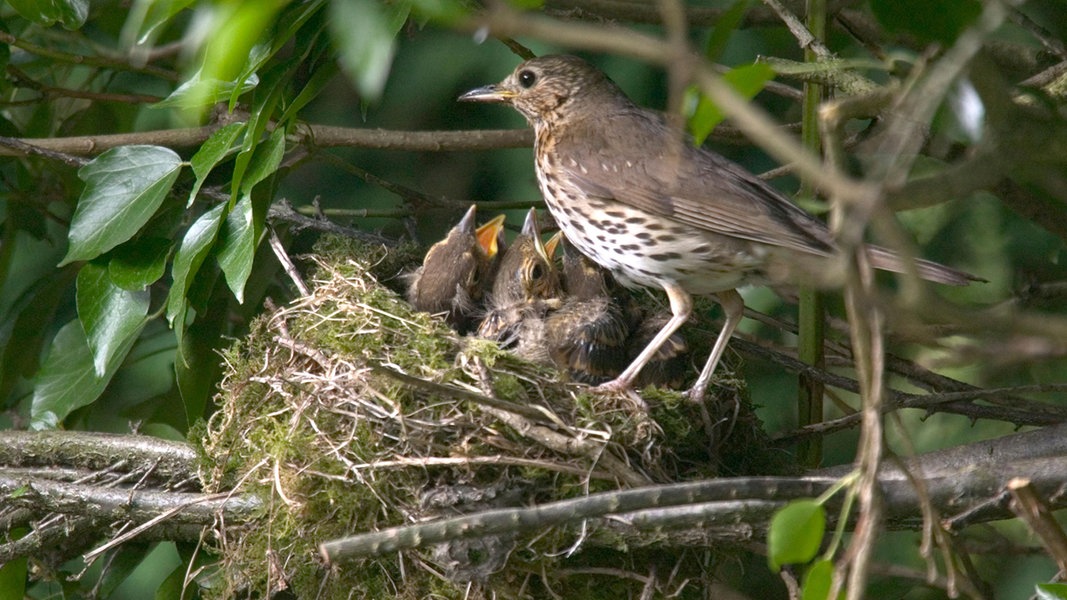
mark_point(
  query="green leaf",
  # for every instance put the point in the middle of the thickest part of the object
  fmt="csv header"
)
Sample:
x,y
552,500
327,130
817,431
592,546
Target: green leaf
x,y
817,581
147,19
67,380
69,13
109,314
237,246
322,77
30,326
215,149
212,152
200,91
13,576
139,263
123,189
364,35
259,120
173,586
235,30
746,80
121,565
194,249
265,161
795,533
941,21
724,28
1051,591
198,370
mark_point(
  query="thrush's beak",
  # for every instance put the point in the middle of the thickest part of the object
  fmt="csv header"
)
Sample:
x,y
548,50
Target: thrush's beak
x,y
466,224
532,228
488,93
552,244
489,235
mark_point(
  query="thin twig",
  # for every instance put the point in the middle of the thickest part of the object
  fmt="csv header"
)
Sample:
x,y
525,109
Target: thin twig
x,y
1029,506
287,263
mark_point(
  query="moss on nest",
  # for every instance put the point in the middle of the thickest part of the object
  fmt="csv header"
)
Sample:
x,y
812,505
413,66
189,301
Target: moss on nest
x,y
348,411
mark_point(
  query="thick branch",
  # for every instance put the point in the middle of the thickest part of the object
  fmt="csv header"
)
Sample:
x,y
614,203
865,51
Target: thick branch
x,y
416,141
520,520
97,451
956,480
115,504
320,135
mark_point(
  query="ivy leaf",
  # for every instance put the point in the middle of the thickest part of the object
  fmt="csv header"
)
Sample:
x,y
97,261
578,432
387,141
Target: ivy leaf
x,y
237,246
109,314
265,160
139,263
67,380
124,187
200,91
194,248
217,147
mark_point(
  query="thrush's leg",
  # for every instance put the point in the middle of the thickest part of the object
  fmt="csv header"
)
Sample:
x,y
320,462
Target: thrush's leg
x,y
733,305
681,308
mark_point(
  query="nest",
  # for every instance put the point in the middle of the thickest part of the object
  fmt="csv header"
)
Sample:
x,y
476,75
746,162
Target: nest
x,y
349,412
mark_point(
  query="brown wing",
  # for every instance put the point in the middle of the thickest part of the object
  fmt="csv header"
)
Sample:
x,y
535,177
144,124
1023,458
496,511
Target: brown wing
x,y
655,169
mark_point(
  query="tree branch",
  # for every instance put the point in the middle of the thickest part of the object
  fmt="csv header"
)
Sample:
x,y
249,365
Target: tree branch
x,y
957,479
115,504
168,461
320,135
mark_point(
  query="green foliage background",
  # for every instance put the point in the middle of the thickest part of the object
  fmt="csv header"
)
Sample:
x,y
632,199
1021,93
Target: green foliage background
x,y
122,278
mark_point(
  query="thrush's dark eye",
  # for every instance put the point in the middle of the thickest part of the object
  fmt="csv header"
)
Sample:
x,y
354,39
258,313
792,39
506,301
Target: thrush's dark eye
x,y
537,272
527,78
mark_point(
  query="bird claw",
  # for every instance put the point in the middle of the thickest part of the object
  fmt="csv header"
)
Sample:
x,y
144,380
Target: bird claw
x,y
696,395
614,386
624,389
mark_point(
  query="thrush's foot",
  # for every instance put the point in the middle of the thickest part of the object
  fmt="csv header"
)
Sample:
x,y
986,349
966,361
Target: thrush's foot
x,y
615,386
697,394
622,389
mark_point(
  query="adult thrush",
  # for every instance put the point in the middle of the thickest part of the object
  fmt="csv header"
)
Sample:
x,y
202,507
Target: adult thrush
x,y
525,289
631,193
458,270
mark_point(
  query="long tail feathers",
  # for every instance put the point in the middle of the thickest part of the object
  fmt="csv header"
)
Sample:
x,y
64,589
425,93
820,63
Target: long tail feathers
x,y
887,260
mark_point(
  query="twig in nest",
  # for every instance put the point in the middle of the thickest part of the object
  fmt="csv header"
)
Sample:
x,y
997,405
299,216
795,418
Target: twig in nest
x,y
282,211
1028,505
287,263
